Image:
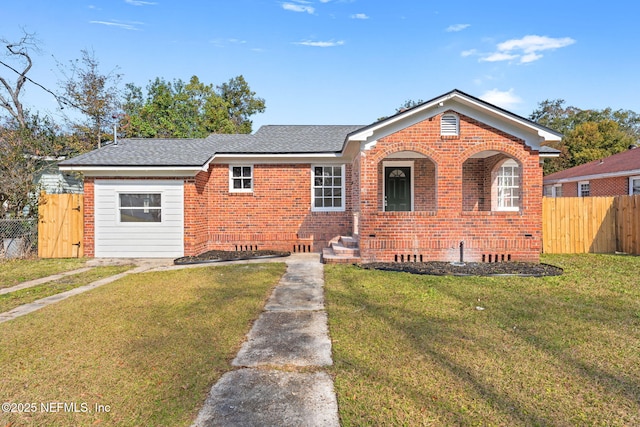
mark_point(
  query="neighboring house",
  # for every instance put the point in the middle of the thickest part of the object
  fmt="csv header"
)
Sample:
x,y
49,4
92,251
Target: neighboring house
x,y
415,186
615,175
52,181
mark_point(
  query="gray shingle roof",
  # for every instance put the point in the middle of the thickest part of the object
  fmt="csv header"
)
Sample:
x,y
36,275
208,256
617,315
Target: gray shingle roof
x,y
197,152
273,139
147,152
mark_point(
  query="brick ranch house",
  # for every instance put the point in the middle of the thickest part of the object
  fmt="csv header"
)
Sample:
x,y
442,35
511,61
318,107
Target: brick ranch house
x,y
616,175
415,186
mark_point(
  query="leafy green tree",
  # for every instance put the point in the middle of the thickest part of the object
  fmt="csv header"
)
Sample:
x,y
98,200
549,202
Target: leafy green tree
x,y
590,141
25,150
588,134
189,110
241,103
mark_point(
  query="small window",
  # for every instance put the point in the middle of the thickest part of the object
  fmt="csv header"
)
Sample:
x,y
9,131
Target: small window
x,y
140,207
241,179
449,125
584,189
557,190
553,190
634,185
508,184
327,188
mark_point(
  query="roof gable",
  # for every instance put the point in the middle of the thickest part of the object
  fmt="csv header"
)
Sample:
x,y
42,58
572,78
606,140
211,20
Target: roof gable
x,y
532,133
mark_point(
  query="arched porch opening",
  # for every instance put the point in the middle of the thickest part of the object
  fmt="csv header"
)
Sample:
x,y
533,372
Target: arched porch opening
x,y
407,182
491,181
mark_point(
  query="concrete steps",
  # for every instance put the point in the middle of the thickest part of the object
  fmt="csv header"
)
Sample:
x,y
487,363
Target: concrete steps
x,y
342,250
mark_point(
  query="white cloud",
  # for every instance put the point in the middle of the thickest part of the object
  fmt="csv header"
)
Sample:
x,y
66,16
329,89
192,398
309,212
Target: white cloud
x,y
321,44
457,27
300,6
140,3
123,25
504,99
531,44
469,52
498,56
530,57
527,49
360,16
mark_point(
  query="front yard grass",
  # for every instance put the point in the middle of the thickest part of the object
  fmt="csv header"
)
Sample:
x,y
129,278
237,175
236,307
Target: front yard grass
x,y
24,296
14,271
142,351
424,350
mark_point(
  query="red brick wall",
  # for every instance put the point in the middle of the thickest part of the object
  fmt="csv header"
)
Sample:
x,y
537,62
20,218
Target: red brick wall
x,y
276,215
195,214
618,186
88,239
436,234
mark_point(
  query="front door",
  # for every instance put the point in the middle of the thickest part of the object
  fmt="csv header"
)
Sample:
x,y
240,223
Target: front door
x,y
397,188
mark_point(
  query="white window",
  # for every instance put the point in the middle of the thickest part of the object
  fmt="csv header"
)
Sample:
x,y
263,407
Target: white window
x,y
449,125
553,190
240,179
508,186
140,207
634,185
584,189
327,188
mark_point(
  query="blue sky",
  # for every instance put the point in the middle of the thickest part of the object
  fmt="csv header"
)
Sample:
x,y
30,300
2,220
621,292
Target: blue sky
x,y
348,61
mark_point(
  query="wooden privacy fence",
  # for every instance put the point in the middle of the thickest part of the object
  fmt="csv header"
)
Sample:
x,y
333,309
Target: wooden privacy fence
x,y
591,225
60,226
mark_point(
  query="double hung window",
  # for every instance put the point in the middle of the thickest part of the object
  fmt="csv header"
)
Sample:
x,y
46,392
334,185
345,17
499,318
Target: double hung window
x,y
327,188
508,186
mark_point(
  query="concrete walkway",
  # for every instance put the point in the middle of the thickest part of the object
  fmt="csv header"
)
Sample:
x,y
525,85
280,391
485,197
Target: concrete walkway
x,y
279,381
142,265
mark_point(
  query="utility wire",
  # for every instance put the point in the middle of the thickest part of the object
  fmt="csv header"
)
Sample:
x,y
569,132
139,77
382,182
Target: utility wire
x,y
60,99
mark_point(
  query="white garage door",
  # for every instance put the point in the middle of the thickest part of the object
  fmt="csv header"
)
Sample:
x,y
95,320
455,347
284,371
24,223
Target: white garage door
x,y
139,219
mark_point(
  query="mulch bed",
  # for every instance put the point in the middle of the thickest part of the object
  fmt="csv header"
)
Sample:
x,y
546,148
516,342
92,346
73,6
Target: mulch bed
x,y
437,268
218,256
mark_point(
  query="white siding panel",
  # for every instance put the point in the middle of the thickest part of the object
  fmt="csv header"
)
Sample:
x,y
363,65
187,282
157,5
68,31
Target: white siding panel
x,y
139,240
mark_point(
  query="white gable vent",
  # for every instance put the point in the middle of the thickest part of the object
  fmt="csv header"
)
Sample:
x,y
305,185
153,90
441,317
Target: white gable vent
x,y
449,125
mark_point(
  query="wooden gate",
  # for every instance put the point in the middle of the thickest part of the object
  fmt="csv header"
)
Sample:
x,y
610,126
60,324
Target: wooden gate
x,y
60,226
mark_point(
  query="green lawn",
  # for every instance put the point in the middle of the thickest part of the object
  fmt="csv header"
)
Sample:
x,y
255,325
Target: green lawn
x,y
14,271
23,296
146,349
420,350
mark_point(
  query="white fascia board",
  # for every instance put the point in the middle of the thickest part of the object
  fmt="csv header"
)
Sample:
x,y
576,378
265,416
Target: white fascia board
x,y
278,158
545,135
136,171
593,176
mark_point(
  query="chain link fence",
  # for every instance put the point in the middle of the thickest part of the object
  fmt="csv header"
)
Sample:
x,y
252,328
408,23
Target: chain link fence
x,y
18,238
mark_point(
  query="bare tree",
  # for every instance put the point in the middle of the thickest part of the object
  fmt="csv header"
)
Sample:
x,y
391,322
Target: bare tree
x,y
18,52
92,93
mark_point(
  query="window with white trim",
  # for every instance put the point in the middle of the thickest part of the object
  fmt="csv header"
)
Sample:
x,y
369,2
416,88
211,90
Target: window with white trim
x,y
584,189
508,186
634,185
554,190
449,125
240,178
140,207
327,192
